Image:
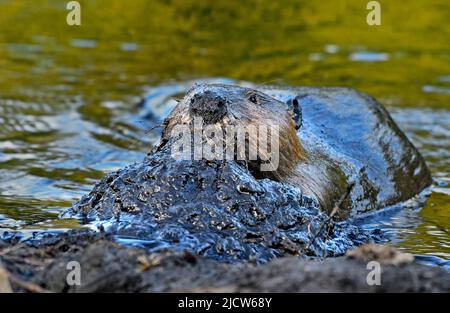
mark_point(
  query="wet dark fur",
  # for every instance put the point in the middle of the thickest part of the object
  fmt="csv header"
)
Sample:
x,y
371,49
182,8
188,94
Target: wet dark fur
x,y
312,167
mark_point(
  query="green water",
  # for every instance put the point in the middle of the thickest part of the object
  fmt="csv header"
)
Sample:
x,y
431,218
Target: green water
x,y
67,93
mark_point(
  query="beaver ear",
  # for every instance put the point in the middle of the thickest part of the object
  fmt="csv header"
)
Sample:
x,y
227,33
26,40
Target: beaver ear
x,y
297,116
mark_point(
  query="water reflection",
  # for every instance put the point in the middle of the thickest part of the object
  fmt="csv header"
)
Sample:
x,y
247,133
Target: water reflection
x,y
367,56
83,43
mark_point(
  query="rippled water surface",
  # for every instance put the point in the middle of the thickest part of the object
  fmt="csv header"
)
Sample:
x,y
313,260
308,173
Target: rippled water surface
x,y
68,95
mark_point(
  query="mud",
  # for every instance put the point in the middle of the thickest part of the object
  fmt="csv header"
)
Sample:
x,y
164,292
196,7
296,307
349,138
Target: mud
x,y
215,209
40,265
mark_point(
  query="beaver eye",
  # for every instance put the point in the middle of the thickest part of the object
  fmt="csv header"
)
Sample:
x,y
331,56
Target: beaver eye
x,y
253,98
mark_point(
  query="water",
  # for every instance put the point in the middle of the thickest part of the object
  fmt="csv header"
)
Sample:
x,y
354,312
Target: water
x,y
68,94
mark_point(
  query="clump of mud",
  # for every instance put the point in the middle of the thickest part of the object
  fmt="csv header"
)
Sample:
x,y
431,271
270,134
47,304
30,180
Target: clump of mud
x,y
215,209
40,264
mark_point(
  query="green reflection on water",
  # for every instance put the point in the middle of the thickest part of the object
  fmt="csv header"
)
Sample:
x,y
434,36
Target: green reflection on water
x,y
250,40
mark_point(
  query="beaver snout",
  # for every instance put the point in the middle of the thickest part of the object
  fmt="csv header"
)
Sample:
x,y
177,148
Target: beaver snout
x,y
208,105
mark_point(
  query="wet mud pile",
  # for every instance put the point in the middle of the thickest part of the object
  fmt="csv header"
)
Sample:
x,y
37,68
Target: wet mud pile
x,y
40,265
216,209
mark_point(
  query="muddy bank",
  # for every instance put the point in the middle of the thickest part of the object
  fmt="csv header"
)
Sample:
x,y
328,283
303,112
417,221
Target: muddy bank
x,y
40,266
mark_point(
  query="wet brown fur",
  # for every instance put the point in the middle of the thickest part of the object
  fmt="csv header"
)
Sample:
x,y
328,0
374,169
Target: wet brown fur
x,y
295,165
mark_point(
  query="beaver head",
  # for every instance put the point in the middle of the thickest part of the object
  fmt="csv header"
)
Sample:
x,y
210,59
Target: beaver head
x,y
232,107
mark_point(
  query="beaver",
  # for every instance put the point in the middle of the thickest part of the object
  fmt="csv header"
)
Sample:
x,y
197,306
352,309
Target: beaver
x,y
335,144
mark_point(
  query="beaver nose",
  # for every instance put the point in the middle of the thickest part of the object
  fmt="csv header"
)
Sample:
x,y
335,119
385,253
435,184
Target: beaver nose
x,y
209,105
